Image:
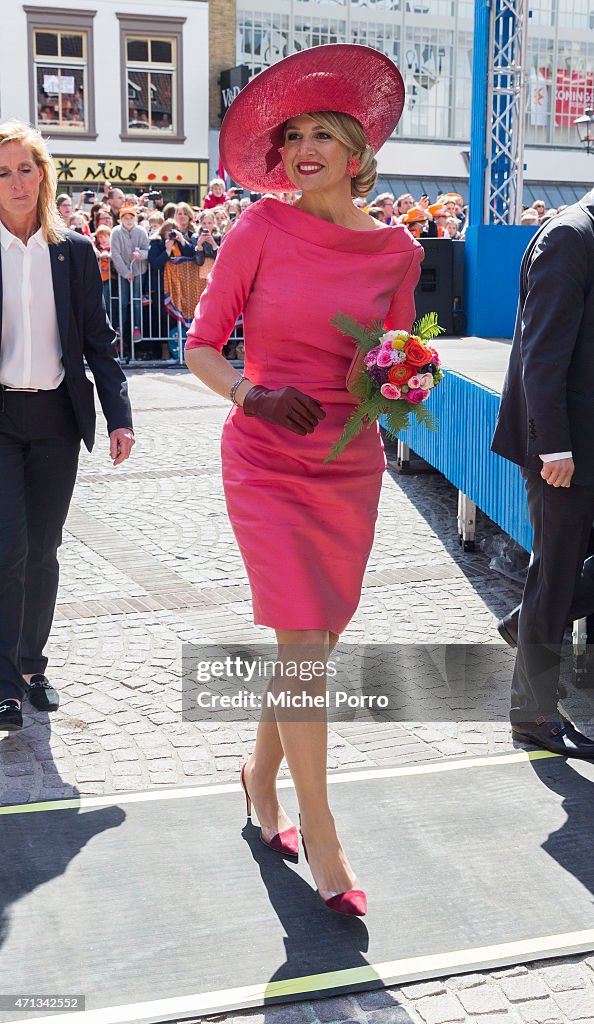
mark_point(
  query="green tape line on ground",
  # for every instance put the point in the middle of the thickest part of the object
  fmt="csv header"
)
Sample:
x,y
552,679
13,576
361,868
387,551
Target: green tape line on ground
x,y
113,799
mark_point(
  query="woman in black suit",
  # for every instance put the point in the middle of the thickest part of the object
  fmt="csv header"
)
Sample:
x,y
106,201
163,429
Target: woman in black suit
x,y
46,404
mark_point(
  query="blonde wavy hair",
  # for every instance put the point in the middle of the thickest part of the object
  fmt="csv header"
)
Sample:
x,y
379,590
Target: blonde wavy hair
x,y
348,131
50,221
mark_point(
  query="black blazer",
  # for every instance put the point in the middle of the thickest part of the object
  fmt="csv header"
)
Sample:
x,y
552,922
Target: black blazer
x,y
86,333
547,404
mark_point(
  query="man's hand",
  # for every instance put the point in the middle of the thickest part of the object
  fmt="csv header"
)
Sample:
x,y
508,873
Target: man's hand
x,y
120,444
558,473
137,255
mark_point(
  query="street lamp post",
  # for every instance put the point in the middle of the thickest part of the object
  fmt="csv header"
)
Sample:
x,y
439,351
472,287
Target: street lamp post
x,y
585,129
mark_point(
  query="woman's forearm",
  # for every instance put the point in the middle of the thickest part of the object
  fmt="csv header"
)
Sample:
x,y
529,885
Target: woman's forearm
x,y
216,372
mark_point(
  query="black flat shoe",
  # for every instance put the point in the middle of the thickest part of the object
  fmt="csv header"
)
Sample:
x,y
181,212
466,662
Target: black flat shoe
x,y
557,735
11,716
507,627
42,694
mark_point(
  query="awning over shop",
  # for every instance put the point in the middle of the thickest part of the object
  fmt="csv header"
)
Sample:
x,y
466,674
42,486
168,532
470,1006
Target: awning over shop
x,y
417,186
553,195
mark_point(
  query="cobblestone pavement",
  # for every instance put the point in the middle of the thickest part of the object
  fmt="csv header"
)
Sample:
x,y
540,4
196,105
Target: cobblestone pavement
x,y
149,561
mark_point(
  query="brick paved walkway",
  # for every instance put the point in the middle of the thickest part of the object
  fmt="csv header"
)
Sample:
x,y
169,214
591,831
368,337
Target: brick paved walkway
x,y
149,561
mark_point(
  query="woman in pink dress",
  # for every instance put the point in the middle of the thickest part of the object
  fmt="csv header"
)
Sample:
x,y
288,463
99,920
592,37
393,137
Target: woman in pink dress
x,y
304,527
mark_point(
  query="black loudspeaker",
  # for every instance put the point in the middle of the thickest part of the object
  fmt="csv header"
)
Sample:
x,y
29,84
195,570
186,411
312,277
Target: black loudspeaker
x,y
441,284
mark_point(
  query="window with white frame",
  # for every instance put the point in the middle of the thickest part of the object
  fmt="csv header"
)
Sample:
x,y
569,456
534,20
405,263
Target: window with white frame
x,y
61,70
262,39
317,32
152,77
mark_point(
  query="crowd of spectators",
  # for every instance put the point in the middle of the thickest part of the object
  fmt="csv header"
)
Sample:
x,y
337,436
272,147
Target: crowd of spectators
x,y
538,213
444,218
447,217
155,257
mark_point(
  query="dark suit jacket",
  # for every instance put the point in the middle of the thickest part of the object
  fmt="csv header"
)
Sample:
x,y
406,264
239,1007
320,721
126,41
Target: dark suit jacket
x,y
86,333
547,404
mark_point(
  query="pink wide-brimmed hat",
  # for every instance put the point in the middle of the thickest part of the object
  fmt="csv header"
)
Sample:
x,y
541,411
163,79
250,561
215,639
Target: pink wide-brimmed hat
x,y
345,77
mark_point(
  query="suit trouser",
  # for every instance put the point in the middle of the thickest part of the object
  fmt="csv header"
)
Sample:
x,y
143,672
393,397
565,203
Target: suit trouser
x,y
39,448
555,592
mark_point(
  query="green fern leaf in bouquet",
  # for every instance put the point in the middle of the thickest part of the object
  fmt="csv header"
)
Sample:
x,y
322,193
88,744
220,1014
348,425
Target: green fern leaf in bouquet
x,y
364,336
427,327
363,416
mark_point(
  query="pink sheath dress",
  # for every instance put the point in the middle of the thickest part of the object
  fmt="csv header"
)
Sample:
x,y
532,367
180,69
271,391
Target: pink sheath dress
x,y
304,528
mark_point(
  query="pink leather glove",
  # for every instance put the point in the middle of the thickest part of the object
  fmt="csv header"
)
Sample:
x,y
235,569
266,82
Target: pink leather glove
x,y
285,407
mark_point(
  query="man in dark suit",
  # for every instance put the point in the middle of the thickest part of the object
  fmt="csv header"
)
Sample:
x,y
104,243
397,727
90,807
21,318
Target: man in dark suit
x,y
546,426
52,317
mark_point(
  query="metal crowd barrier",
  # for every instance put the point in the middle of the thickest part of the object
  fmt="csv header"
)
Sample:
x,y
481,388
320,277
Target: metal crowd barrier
x,y
143,325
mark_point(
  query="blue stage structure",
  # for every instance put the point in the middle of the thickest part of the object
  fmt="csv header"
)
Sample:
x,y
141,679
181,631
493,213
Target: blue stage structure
x,y
492,257
460,449
493,248
467,400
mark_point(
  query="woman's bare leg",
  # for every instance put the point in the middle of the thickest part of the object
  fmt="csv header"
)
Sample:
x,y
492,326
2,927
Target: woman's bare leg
x,y
305,745
261,771
263,765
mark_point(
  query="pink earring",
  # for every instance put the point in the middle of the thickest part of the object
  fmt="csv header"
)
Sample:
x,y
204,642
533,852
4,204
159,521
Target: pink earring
x,y
353,167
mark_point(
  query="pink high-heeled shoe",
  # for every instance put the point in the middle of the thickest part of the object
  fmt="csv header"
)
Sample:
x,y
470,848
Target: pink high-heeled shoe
x,y
286,843
352,902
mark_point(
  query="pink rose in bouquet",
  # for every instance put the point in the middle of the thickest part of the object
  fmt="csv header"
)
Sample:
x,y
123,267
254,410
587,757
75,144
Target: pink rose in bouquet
x,y
391,391
416,395
371,358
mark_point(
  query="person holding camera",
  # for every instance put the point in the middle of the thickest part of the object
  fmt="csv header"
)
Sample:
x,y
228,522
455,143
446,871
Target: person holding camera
x,y
154,197
233,214
207,248
173,253
78,222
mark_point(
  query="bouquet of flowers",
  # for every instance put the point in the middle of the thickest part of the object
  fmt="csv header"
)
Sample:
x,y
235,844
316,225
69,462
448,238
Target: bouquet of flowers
x,y
398,372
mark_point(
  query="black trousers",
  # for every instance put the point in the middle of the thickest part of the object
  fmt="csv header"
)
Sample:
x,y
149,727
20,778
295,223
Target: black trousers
x,y
39,448
555,592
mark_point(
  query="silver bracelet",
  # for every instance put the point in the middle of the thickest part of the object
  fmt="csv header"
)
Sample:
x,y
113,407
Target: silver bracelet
x,y
234,388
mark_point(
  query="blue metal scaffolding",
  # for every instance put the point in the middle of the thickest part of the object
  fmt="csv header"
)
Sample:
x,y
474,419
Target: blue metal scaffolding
x,y
498,106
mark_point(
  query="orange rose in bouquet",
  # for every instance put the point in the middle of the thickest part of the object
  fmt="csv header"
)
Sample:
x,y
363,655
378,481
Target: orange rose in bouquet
x,y
400,374
416,352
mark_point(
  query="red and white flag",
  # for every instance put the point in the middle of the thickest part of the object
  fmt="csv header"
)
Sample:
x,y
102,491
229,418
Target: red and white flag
x,y
539,102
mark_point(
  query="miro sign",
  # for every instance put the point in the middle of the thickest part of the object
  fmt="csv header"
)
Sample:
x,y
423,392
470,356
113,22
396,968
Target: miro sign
x,y
232,82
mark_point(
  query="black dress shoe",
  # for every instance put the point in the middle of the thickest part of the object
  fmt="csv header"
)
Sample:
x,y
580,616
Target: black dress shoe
x,y
555,734
42,694
507,627
11,716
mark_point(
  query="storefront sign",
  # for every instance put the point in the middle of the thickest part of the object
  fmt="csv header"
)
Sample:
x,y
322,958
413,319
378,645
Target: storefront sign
x,y
232,82
120,171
